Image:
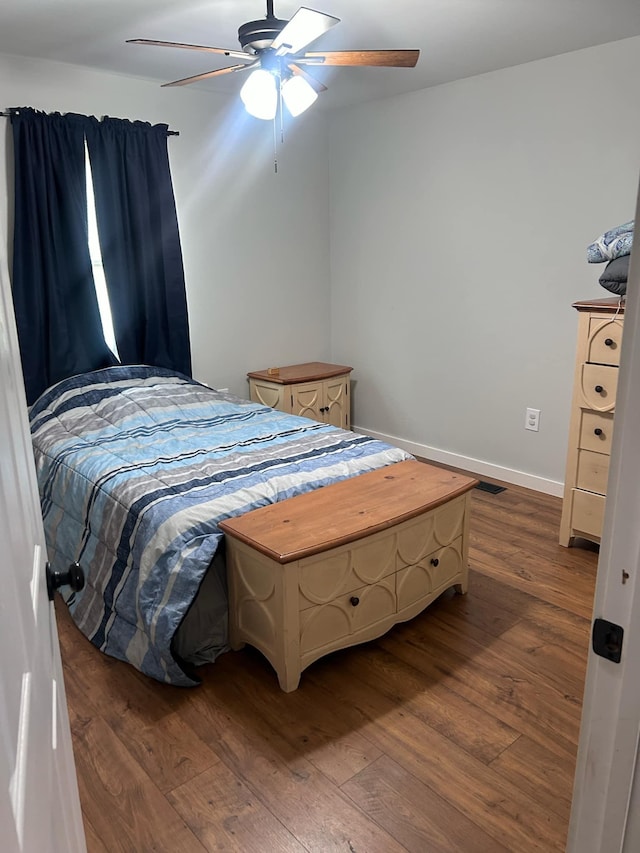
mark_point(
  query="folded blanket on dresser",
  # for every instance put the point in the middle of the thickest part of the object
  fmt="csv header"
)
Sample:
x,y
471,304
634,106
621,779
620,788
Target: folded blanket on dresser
x,y
612,244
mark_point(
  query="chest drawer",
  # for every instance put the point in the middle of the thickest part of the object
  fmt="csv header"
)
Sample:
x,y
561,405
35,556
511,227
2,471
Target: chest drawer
x,y
596,432
588,513
605,338
599,384
431,573
322,578
349,614
593,471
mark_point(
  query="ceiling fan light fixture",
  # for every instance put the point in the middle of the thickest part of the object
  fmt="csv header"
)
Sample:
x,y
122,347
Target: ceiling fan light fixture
x,y
298,95
260,95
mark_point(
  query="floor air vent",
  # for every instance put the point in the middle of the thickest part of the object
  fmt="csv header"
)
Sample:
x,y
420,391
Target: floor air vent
x,y
490,487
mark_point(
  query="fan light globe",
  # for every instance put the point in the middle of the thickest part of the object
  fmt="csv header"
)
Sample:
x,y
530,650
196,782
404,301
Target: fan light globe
x,y
298,95
260,95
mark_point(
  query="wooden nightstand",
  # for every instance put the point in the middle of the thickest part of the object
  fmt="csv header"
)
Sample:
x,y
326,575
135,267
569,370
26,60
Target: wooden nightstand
x,y
314,390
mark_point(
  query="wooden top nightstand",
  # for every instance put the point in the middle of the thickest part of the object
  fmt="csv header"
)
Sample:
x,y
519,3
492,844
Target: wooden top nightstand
x,y
315,390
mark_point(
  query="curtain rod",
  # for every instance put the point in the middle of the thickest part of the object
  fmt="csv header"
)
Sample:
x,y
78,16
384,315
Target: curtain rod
x,y
7,113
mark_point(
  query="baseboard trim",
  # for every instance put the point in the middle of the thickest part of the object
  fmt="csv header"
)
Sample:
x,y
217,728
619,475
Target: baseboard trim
x,y
467,463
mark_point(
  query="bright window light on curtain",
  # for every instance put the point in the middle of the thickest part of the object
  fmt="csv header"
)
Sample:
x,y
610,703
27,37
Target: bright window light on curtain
x,y
298,95
97,267
260,94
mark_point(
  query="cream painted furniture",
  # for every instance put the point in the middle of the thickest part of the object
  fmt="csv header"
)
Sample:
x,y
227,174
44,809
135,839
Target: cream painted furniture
x,y
600,323
342,564
315,390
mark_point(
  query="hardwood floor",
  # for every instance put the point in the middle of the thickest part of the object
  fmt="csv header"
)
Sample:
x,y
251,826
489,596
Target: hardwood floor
x,y
456,731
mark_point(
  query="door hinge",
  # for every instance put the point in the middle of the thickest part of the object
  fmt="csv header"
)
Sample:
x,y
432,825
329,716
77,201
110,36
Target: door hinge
x,y
606,639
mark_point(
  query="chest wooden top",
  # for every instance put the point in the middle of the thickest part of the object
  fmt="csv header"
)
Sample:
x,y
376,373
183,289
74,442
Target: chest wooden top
x,y
346,511
310,371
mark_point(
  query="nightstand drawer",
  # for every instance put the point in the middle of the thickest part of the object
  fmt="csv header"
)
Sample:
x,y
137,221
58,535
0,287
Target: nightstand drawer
x,y
596,432
605,338
593,471
599,385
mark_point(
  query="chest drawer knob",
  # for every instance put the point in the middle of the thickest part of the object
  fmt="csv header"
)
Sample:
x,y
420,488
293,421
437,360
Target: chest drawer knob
x,y
608,342
355,601
435,561
597,431
598,389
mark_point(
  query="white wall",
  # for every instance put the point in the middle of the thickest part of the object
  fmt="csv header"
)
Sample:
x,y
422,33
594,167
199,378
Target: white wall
x,y
457,220
460,217
254,242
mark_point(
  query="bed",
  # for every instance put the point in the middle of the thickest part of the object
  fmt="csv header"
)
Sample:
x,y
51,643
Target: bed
x,y
137,466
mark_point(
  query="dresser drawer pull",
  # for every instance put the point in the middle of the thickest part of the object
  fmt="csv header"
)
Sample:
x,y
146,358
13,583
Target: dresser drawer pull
x,y
609,342
435,561
598,389
355,601
597,431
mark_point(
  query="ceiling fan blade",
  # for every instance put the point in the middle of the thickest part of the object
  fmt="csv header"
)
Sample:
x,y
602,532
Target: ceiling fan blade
x,y
234,54
316,85
306,26
217,73
389,58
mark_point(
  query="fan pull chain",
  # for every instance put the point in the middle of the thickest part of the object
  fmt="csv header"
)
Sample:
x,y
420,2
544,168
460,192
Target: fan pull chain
x,y
275,147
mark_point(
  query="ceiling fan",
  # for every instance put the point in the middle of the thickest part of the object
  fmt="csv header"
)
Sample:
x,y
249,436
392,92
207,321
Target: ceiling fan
x,y
275,51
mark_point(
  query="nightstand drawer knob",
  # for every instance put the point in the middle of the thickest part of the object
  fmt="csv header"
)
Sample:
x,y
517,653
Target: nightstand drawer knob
x,y
597,431
435,561
355,601
609,342
598,389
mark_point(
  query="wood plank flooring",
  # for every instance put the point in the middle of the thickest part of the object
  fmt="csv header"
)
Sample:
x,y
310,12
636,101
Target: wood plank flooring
x,y
456,731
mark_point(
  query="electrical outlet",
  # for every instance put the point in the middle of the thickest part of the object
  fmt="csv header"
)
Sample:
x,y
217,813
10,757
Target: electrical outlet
x,y
532,420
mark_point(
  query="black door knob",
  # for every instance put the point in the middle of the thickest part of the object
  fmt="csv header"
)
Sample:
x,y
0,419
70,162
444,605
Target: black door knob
x,y
435,561
73,577
355,601
597,431
599,389
608,342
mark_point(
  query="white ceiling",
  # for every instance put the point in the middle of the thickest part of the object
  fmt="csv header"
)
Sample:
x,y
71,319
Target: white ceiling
x,y
457,38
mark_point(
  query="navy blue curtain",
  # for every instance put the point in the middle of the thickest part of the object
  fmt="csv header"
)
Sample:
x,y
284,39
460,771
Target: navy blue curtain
x,y
57,316
140,242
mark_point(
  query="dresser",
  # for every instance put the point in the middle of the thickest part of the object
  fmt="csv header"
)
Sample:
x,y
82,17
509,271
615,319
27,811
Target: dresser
x,y
344,563
315,390
600,324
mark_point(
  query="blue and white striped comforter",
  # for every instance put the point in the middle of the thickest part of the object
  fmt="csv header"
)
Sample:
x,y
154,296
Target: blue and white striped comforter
x,y
136,468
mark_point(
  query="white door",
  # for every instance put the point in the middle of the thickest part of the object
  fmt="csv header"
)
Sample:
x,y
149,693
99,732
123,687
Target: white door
x,y
39,804
606,800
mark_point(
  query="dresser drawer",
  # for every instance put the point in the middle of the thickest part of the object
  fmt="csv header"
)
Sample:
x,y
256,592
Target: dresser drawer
x,y
588,513
605,338
431,573
596,432
593,471
599,384
337,620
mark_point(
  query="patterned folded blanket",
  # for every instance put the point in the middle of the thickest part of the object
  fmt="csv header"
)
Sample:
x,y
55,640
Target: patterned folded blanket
x,y
612,244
